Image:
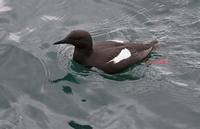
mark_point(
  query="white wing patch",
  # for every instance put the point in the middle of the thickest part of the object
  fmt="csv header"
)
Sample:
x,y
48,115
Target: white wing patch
x,y
124,54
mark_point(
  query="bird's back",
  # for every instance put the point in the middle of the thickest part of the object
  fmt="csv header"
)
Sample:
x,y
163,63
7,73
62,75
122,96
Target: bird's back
x,y
112,57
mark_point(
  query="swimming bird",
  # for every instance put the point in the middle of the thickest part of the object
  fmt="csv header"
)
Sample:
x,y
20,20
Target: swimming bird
x,y
109,56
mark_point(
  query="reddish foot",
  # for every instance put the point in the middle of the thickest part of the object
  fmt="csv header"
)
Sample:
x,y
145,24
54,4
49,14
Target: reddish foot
x,y
158,61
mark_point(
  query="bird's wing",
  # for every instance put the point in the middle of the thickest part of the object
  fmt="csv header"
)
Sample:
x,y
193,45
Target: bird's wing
x,y
117,66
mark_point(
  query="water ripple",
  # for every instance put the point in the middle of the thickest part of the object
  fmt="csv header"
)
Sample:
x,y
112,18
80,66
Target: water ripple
x,y
35,75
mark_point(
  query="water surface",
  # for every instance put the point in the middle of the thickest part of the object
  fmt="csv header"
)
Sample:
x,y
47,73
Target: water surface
x,y
41,87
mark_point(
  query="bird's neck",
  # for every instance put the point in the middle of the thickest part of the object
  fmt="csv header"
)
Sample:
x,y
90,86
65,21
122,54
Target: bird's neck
x,y
81,55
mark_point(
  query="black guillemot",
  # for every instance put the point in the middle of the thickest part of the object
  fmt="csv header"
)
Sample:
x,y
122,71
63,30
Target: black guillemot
x,y
110,56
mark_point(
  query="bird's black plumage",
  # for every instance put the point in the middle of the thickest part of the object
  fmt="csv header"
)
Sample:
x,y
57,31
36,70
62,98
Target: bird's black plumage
x,y
101,54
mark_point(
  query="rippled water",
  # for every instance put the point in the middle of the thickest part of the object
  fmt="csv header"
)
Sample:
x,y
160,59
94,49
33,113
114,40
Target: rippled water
x,y
42,88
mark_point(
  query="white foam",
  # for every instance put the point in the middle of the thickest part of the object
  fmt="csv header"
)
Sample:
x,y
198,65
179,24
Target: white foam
x,y
18,35
179,83
50,18
163,70
124,54
15,37
4,8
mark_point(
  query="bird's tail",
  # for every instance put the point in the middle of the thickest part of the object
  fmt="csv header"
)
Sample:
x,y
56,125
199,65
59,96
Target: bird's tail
x,y
154,44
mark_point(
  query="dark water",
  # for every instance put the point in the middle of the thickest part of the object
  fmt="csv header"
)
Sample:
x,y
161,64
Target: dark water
x,y
41,88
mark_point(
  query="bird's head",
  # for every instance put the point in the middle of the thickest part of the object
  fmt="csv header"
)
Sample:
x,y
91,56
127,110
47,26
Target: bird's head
x,y
81,39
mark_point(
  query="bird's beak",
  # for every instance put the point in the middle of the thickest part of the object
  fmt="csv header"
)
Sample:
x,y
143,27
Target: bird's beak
x,y
60,42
